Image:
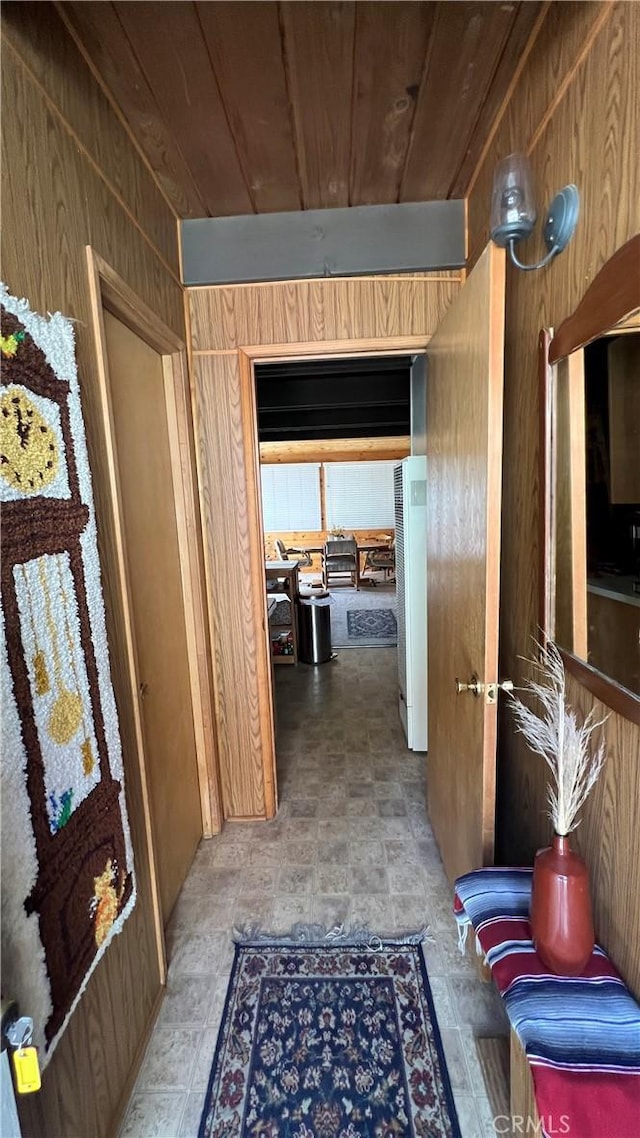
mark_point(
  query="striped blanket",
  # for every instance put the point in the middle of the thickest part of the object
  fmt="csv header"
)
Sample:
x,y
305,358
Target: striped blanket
x,y
581,1034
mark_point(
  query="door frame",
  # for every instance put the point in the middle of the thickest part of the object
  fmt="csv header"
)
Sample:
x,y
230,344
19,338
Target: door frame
x,y
248,357
109,291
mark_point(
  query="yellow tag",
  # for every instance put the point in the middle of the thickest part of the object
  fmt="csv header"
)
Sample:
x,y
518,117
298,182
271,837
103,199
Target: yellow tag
x,y
27,1070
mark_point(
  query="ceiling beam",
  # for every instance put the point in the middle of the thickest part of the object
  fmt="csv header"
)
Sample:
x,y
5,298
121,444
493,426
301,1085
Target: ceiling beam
x,y
336,450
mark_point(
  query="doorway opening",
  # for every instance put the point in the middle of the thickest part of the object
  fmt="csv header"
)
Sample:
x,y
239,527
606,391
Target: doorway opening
x,y
335,436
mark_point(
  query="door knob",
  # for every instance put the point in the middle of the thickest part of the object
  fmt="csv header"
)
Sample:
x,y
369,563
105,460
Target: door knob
x,y
143,690
473,685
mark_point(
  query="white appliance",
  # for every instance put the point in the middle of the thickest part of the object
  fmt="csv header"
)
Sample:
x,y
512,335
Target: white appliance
x,y
410,501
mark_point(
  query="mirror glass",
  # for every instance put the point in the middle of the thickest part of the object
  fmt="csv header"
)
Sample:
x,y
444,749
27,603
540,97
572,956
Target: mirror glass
x,y
595,511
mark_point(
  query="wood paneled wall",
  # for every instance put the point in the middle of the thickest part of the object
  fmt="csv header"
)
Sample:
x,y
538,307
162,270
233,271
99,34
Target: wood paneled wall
x,y
614,639
70,178
236,589
608,837
319,311
229,327
575,111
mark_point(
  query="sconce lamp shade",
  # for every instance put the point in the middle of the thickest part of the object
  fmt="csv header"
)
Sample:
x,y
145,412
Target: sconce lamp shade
x,y
513,210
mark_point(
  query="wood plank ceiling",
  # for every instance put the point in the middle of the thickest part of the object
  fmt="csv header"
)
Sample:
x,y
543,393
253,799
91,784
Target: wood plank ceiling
x,y
264,106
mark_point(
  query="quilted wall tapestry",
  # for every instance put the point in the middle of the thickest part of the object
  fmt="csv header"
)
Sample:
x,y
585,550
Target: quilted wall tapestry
x,y
67,861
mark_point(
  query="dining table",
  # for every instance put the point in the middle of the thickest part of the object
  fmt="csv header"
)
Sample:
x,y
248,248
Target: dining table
x,y
363,548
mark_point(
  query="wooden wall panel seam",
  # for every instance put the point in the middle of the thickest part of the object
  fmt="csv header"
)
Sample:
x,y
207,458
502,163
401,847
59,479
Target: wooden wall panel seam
x,y
536,130
92,162
524,29
505,103
41,39
52,193
60,9
570,76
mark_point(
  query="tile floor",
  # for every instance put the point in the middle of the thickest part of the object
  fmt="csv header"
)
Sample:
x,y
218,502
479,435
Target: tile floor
x,y
351,843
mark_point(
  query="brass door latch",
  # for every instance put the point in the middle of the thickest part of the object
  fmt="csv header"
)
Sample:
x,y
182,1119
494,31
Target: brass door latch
x,y
476,686
493,689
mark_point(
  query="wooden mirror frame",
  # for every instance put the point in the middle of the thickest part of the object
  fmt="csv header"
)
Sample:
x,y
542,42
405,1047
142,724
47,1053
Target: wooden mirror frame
x,y
610,299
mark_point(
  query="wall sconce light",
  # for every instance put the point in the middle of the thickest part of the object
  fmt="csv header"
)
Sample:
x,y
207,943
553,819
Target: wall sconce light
x,y
513,211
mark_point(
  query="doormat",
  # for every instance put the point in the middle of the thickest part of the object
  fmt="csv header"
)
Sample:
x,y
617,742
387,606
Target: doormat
x,y
334,1041
375,625
67,861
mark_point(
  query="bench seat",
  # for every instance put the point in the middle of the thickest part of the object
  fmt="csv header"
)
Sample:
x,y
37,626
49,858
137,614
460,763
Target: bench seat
x,y
581,1035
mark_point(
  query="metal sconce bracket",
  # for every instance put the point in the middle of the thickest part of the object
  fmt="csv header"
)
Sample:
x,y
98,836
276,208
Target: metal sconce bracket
x,y
559,228
513,211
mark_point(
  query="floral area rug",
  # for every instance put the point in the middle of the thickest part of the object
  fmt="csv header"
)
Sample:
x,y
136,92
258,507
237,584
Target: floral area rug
x,y
329,1042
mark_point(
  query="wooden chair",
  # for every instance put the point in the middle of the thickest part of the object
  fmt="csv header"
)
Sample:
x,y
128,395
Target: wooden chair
x,y
302,557
381,559
340,559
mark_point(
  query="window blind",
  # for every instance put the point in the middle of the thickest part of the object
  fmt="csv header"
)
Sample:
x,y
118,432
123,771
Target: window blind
x,y
291,496
359,495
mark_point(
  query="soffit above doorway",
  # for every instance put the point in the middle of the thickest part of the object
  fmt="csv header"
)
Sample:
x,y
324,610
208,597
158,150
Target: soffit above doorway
x,y
333,399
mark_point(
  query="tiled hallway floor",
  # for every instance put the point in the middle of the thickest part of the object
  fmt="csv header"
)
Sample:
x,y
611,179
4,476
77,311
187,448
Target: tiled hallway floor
x,y
351,843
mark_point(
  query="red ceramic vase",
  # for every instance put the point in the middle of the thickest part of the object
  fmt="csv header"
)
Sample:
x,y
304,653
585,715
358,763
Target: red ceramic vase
x,y
561,920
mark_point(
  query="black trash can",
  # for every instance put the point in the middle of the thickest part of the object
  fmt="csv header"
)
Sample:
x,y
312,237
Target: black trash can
x,y
314,629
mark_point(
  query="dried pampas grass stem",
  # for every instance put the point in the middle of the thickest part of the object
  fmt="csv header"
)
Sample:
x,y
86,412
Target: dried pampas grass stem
x,y
554,732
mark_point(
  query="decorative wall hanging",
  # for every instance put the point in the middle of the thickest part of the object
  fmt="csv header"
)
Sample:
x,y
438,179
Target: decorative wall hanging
x,y
67,860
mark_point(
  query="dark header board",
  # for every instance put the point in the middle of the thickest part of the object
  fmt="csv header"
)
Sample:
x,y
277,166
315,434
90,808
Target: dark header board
x,y
418,237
